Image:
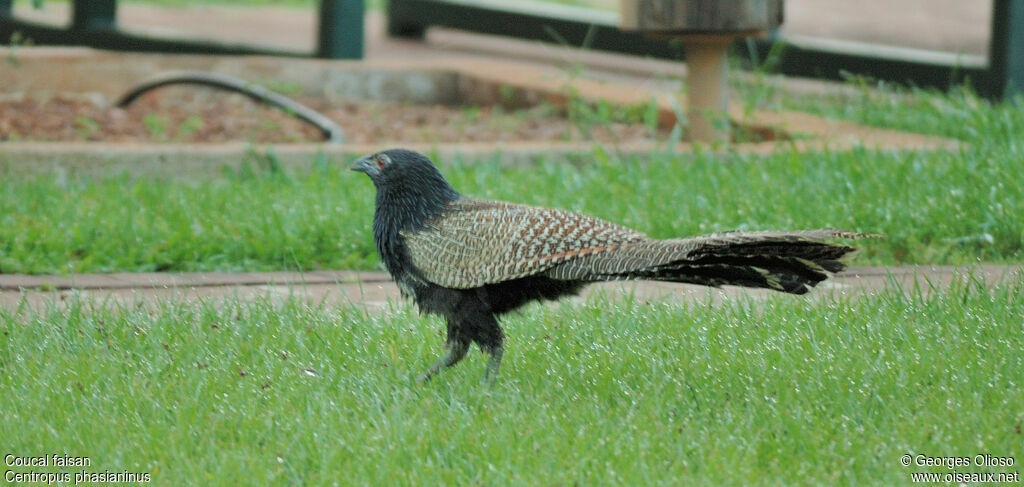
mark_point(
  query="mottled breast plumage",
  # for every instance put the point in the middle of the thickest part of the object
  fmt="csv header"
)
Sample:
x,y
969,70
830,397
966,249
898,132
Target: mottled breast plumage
x,y
478,242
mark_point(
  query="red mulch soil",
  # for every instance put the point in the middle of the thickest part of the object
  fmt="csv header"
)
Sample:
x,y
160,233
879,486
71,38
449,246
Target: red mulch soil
x,y
196,115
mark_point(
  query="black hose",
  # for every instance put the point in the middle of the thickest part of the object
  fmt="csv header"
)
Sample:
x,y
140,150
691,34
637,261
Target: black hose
x,y
331,131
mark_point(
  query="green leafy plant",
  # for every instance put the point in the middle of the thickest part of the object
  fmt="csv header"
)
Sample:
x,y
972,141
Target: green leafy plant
x,y
156,125
189,127
86,127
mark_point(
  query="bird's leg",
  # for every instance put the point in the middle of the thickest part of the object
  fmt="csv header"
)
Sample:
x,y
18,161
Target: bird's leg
x,y
491,372
455,350
487,333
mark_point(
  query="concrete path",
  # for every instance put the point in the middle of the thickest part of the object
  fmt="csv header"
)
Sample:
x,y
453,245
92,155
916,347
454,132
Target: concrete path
x,y
375,289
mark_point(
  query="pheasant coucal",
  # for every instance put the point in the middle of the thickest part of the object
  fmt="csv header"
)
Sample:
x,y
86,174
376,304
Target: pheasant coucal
x,y
472,260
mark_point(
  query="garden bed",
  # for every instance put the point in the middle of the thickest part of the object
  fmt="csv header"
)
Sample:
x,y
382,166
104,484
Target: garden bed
x,y
190,114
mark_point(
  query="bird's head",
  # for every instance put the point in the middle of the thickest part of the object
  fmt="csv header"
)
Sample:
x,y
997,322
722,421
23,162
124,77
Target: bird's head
x,y
394,164
373,165
406,175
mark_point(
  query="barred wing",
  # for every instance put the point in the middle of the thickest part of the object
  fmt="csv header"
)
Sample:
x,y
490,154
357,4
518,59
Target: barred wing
x,y
482,242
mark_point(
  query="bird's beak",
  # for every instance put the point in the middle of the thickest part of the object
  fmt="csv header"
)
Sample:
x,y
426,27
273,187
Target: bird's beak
x,y
364,165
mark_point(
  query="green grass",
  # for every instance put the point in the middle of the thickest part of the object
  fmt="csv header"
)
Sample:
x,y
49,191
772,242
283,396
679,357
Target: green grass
x,y
820,391
247,220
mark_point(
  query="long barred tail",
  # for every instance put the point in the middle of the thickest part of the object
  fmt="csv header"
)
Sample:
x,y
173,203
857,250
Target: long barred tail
x,y
791,262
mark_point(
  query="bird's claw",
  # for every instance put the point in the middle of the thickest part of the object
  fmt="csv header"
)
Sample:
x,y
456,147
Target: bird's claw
x,y
426,376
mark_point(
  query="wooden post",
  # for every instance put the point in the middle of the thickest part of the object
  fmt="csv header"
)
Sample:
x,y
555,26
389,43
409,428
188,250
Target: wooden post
x,y
707,28
707,67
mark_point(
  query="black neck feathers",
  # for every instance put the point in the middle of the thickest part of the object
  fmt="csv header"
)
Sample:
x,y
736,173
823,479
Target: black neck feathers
x,y
410,193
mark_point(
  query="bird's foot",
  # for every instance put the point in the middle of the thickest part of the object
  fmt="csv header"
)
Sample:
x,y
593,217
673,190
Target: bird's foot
x,y
454,352
491,372
429,374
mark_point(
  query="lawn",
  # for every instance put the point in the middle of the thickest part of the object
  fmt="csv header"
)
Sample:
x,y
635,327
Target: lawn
x,y
831,389
822,391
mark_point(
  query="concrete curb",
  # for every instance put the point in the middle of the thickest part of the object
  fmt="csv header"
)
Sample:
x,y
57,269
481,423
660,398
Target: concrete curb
x,y
168,280
376,290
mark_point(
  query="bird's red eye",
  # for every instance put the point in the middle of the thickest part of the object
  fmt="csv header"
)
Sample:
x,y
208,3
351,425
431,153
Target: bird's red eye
x,y
381,162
